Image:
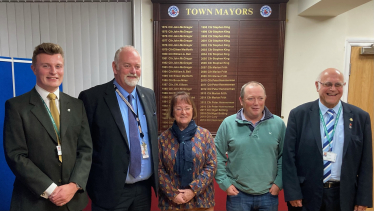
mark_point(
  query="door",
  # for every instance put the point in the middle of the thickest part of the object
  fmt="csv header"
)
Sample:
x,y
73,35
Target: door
x,y
361,83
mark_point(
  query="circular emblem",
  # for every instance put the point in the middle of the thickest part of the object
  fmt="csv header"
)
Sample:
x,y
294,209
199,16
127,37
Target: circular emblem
x,y
173,11
265,11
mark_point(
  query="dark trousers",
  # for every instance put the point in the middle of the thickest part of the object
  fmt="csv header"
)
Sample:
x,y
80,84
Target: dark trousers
x,y
330,200
134,197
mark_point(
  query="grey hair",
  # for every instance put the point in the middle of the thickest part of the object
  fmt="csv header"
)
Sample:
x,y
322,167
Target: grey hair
x,y
255,83
124,48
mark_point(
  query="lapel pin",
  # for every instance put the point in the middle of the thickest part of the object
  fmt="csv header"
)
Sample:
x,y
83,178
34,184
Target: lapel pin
x,y
69,110
351,119
350,125
142,95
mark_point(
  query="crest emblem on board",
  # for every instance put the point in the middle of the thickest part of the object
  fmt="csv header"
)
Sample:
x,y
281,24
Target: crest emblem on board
x,y
173,11
265,11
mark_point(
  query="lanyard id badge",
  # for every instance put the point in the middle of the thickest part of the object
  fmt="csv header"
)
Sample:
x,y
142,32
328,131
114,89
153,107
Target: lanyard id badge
x,y
144,147
59,151
329,156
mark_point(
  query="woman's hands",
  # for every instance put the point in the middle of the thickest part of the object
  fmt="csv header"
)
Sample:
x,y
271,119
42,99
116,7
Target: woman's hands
x,y
184,196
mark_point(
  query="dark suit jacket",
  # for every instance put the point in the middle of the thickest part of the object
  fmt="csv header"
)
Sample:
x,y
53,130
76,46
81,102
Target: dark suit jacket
x,y
30,150
303,162
111,154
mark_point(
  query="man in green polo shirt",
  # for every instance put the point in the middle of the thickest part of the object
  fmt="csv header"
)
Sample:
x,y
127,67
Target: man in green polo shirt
x,y
253,138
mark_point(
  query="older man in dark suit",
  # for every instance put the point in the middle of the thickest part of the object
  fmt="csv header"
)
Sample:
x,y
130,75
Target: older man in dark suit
x,y
327,155
47,140
123,122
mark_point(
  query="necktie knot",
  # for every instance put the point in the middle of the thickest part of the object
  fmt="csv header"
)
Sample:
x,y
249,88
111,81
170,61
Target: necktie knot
x,y
331,112
51,96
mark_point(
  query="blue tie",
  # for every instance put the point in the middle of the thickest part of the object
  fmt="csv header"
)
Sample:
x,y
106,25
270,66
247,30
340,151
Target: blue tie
x,y
326,145
135,153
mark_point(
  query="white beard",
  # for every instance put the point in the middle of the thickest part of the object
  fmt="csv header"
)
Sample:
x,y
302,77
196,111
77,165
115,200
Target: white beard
x,y
131,82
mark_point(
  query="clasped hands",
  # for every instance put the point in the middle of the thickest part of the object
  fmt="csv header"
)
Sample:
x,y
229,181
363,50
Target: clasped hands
x,y
63,194
184,196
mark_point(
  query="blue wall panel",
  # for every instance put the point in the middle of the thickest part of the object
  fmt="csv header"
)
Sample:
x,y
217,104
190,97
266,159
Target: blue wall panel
x,y
6,176
24,78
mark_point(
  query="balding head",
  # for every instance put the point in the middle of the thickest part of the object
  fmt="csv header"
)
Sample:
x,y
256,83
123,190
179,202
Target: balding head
x,y
329,71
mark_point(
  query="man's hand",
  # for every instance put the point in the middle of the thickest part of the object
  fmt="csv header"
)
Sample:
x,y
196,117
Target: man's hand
x,y
179,199
296,203
232,191
274,190
63,194
188,194
360,208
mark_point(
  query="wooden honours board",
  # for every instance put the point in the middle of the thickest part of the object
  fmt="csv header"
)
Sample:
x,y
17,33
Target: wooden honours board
x,y
211,49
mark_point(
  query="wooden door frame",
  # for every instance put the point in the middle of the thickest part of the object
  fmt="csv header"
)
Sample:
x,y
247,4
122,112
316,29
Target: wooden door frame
x,y
349,43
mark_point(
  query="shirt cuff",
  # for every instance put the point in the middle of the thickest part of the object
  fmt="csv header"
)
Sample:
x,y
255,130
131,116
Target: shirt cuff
x,y
49,191
225,184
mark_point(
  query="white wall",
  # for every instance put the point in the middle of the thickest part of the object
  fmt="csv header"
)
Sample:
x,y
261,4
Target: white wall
x,y
316,43
89,34
312,45
147,44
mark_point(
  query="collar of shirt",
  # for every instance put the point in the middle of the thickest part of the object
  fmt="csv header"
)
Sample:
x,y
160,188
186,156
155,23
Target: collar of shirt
x,y
262,118
324,109
44,93
125,93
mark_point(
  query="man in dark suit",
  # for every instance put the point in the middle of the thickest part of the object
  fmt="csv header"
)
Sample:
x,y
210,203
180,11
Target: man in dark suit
x,y
327,155
47,140
125,157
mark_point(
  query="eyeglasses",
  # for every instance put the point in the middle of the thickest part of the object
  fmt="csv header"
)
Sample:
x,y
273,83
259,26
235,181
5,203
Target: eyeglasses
x,y
329,84
187,109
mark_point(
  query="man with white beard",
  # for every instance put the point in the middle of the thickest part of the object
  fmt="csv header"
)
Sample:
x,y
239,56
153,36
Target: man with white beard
x,y
123,123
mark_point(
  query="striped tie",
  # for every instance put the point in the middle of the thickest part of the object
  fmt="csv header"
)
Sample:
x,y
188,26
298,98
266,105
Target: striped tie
x,y
326,145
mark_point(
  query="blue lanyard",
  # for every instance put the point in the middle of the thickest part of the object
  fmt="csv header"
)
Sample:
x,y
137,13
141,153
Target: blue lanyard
x,y
335,124
53,121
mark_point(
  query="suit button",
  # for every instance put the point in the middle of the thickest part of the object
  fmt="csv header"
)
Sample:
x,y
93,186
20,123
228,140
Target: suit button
x,y
59,180
59,164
